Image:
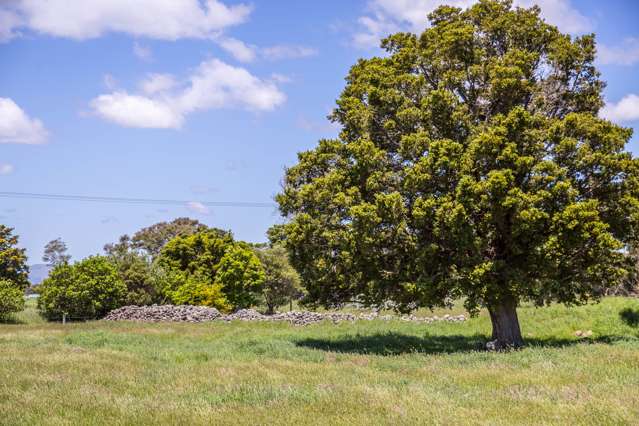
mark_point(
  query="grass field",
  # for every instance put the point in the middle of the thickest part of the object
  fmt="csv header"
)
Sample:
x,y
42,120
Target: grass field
x,y
362,373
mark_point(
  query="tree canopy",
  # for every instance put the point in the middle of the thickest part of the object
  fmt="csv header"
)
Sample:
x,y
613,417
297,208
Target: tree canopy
x,y
152,238
210,263
13,260
55,253
87,289
471,163
135,270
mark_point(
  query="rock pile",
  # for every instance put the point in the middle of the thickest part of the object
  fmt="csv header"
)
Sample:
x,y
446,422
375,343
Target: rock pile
x,y
294,317
170,313
305,318
161,313
245,315
448,318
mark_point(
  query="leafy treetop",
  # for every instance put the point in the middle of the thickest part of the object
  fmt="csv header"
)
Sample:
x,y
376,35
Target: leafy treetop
x,y
55,252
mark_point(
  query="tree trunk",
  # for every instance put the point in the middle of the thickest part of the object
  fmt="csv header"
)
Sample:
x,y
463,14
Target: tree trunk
x,y
506,331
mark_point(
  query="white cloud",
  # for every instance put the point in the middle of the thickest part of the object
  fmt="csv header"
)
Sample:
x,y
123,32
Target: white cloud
x,y
288,52
6,168
158,19
142,52
155,19
237,48
156,83
165,102
389,16
627,109
216,84
136,111
562,14
197,207
625,54
17,127
247,53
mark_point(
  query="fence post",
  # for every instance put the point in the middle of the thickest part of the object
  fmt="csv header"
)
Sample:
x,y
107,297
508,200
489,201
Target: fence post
x,y
64,318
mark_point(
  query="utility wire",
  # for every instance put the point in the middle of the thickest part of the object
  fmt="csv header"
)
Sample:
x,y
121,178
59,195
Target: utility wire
x,y
123,200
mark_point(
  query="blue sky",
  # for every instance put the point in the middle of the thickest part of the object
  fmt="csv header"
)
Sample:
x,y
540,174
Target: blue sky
x,y
203,101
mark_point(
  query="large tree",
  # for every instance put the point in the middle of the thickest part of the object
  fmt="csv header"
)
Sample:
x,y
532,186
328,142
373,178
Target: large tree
x,y
471,163
13,260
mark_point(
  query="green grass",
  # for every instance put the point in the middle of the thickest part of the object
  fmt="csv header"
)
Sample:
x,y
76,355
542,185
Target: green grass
x,y
362,373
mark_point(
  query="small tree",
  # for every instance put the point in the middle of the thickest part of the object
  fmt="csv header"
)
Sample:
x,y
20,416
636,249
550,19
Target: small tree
x,y
215,259
134,269
471,163
281,281
13,260
11,298
88,289
240,275
55,253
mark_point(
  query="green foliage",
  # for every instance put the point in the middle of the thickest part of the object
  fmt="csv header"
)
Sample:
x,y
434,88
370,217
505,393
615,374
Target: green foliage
x,y
281,281
85,290
11,298
134,269
214,260
194,250
240,275
276,234
195,289
153,238
13,260
471,163
197,253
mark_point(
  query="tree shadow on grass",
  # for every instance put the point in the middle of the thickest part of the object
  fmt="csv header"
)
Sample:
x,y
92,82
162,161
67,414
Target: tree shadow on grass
x,y
397,344
630,317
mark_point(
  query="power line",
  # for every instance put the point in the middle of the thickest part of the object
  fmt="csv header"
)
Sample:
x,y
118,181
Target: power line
x,y
123,200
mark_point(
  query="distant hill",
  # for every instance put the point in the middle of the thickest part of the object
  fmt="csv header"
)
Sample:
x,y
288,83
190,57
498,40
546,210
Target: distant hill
x,y
38,272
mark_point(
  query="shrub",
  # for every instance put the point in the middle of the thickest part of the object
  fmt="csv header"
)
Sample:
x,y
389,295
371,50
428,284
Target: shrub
x,y
196,290
88,289
11,298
